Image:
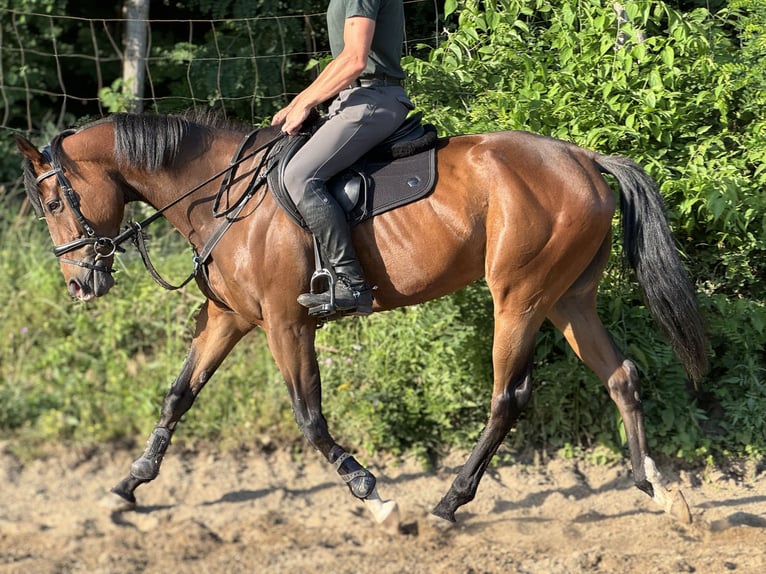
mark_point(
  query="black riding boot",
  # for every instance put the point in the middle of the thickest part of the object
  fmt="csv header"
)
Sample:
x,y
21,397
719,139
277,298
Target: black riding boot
x,y
326,220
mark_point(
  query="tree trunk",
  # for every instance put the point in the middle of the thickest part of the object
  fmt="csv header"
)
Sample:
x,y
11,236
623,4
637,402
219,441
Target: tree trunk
x,y
136,14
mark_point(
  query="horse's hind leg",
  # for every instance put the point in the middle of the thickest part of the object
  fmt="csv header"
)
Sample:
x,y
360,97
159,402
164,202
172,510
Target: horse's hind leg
x,y
512,352
576,317
217,332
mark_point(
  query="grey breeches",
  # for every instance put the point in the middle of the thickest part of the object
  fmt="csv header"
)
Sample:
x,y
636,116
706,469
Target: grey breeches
x,y
359,118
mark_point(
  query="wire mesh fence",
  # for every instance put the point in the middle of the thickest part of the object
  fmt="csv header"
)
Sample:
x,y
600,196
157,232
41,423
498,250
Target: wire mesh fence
x,y
56,69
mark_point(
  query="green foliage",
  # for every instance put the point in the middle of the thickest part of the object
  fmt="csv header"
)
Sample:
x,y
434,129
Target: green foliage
x,y
676,86
410,380
242,86
18,73
737,392
98,371
117,97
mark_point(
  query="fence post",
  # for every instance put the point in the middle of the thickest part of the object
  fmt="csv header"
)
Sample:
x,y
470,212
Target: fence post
x,y
133,71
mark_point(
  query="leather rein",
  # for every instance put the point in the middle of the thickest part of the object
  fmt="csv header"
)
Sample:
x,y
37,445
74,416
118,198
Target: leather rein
x,y
105,247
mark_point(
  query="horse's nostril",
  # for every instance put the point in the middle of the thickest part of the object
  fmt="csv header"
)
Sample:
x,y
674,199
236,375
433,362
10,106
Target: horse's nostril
x,y
75,288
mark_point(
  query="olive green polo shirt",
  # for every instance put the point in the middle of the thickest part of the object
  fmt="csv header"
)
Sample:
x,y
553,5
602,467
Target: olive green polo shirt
x,y
386,51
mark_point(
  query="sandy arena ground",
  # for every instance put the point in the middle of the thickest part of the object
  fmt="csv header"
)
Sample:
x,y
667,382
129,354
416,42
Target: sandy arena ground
x,y
260,512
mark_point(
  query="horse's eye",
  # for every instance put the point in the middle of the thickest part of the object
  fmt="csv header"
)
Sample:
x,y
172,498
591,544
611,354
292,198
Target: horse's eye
x,y
53,205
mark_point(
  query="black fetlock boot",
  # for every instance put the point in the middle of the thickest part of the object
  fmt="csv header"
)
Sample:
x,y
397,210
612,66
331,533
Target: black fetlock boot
x,y
326,220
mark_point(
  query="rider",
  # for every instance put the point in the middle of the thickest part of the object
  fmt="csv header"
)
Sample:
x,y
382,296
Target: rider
x,y
365,79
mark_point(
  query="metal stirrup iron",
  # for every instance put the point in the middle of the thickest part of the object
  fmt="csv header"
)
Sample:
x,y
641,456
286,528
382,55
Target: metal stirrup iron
x,y
322,273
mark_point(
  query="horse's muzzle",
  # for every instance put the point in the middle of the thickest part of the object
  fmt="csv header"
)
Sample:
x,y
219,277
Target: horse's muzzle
x,y
91,284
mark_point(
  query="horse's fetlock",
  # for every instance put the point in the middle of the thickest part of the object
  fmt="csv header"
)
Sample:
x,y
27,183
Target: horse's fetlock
x,y
145,469
362,484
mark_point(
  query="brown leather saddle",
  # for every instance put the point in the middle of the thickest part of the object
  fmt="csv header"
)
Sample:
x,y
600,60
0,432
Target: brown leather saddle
x,y
400,170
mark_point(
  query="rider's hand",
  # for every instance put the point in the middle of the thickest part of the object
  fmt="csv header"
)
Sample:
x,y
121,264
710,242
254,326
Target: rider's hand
x,y
291,118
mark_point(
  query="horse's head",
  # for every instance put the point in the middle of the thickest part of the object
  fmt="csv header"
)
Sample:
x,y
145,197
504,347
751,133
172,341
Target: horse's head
x,y
71,187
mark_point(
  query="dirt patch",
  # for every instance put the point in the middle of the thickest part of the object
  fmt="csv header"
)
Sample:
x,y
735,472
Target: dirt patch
x,y
270,513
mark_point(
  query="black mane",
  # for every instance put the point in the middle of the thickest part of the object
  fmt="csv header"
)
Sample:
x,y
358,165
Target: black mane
x,y
148,141
153,141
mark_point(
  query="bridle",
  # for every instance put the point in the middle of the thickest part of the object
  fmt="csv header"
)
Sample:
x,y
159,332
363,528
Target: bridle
x,y
105,246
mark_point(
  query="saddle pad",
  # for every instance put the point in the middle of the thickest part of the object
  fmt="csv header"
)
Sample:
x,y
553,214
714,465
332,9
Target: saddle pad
x,y
390,183
398,182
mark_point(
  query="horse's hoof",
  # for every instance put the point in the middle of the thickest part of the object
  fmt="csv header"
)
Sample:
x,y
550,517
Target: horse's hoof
x,y
388,517
385,512
673,503
117,503
440,524
443,513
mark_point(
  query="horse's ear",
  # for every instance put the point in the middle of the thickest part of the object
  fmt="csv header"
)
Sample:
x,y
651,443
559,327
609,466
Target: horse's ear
x,y
29,150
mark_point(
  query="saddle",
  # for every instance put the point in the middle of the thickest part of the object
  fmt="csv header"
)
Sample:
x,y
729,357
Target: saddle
x,y
398,171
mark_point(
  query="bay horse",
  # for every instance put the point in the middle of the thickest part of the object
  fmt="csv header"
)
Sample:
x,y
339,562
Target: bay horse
x,y
530,214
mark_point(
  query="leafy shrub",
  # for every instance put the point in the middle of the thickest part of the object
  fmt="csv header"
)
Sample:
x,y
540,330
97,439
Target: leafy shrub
x,y
684,94
415,379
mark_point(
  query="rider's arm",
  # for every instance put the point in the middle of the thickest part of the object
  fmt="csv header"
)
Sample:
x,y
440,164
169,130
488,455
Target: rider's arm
x,y
340,73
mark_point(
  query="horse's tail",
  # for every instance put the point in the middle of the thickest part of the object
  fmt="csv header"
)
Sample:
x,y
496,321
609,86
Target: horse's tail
x,y
650,250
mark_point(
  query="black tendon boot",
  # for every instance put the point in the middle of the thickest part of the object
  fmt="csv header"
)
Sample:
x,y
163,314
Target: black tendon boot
x,y
326,220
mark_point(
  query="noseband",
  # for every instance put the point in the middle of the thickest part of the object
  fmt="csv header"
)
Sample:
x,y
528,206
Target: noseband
x,y
105,247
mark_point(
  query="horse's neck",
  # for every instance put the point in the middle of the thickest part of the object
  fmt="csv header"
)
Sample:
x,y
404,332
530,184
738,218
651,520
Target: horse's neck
x,y
195,191
195,182
161,188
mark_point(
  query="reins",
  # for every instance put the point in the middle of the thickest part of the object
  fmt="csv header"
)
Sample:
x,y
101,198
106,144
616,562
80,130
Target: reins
x,y
105,247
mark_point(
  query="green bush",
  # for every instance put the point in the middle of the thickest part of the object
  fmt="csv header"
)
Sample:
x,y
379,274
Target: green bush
x,y
684,94
91,371
416,379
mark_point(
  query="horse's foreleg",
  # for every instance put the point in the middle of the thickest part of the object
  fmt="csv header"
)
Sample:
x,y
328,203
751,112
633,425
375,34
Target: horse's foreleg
x,y
293,348
217,332
575,315
512,390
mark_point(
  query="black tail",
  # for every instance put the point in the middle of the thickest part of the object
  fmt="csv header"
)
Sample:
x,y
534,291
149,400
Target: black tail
x,y
650,250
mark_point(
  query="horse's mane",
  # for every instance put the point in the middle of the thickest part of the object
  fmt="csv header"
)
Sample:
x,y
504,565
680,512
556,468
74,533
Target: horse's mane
x,y
153,141
148,141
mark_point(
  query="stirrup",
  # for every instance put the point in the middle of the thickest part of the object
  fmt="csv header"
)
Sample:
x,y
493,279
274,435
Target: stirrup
x,y
327,309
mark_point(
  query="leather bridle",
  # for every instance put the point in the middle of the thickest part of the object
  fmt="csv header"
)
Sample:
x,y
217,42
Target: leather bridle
x,y
105,247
